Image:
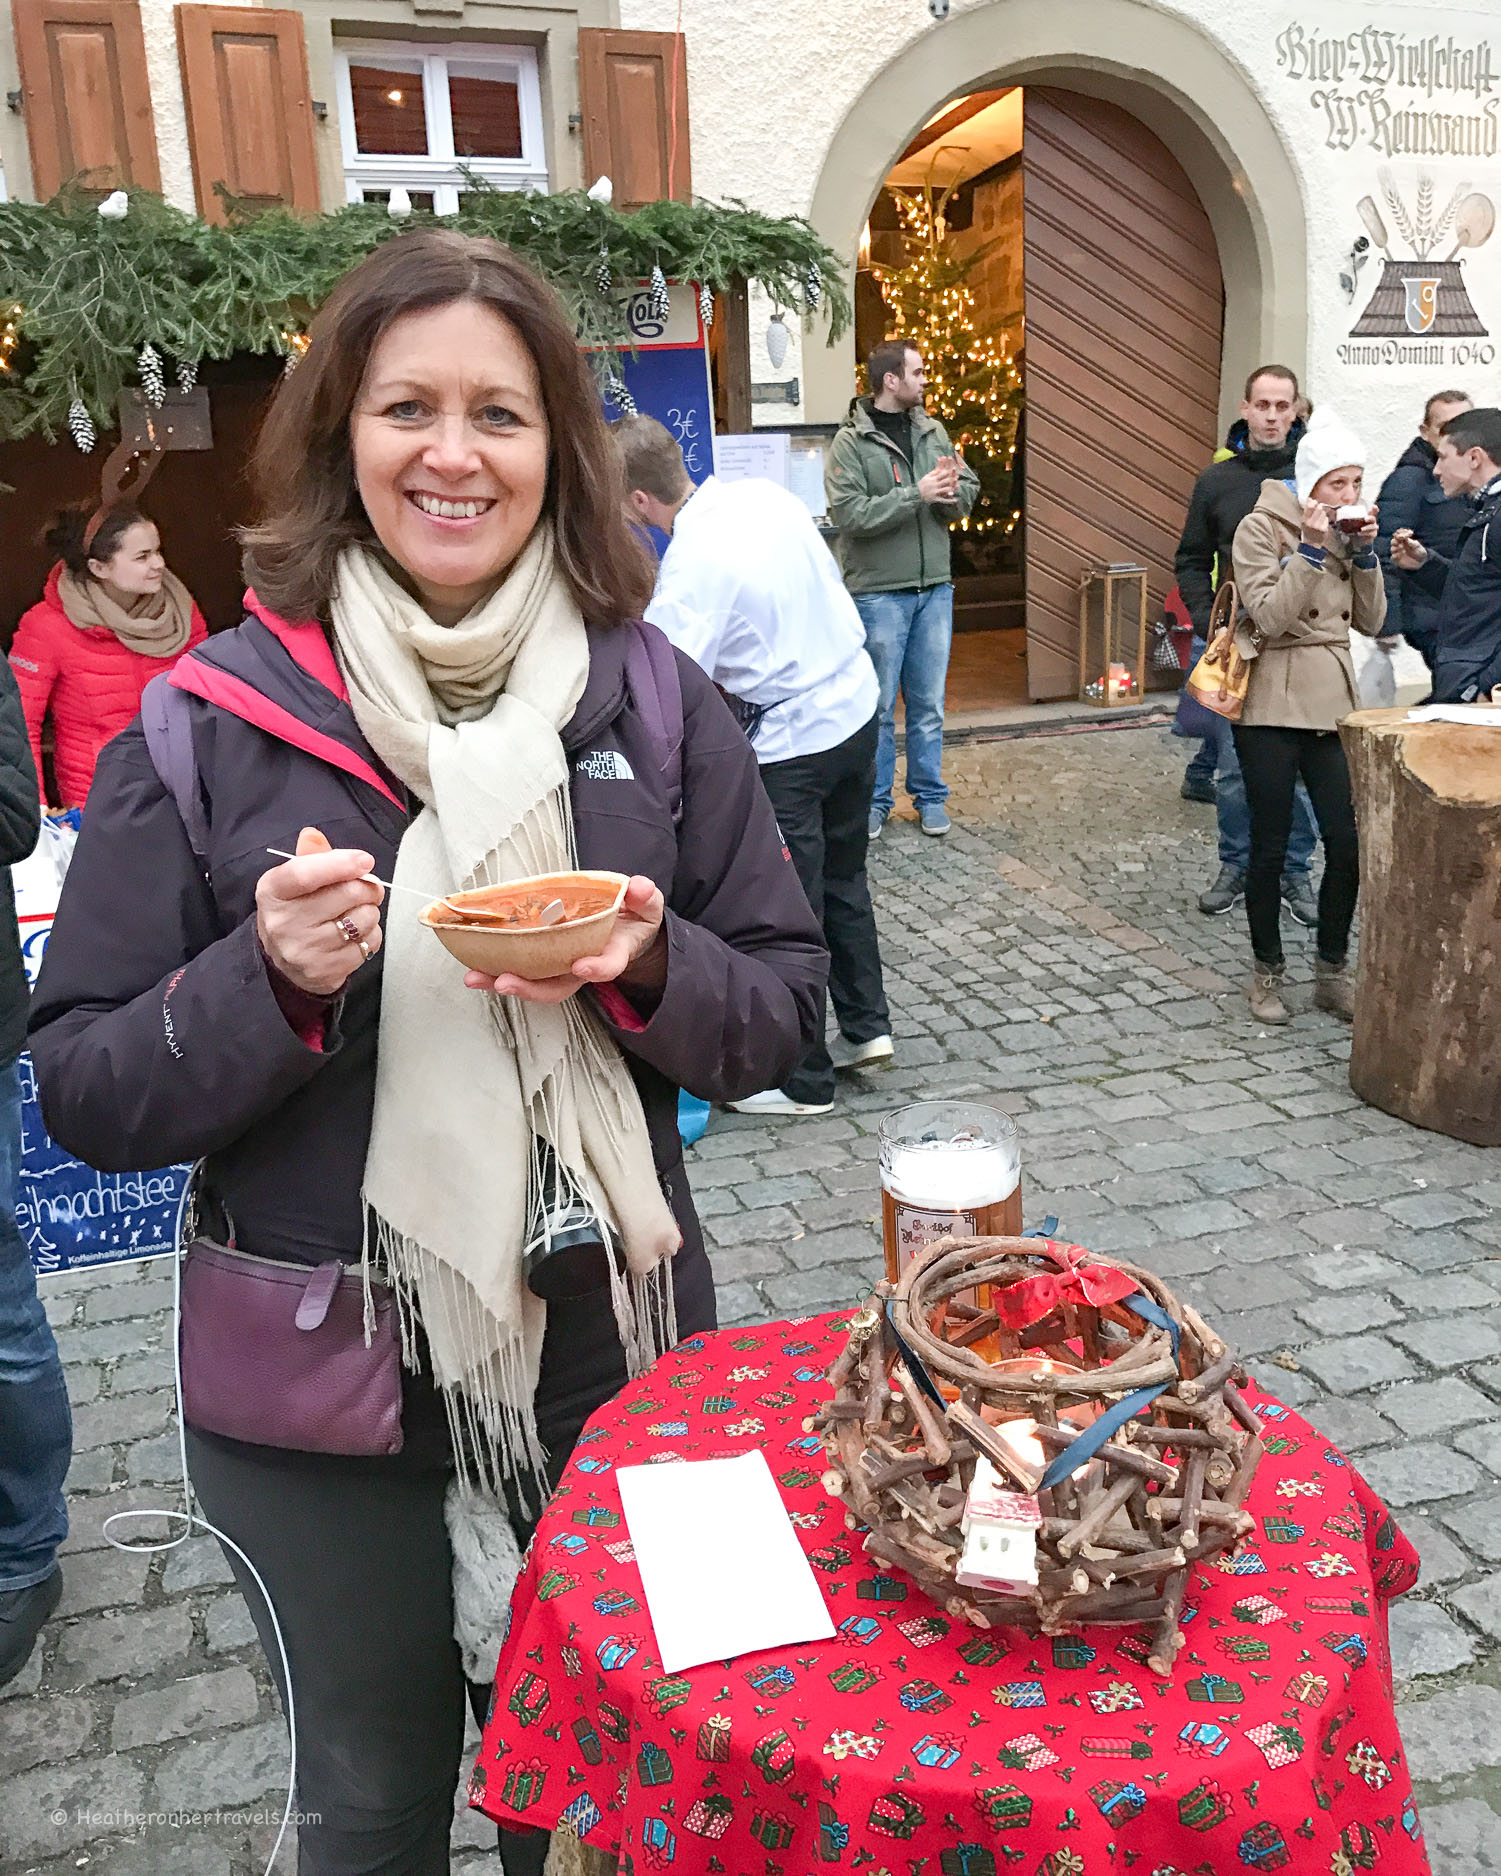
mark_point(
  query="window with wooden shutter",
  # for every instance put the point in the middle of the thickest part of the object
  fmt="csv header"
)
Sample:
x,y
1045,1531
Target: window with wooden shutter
x,y
85,93
633,94
250,120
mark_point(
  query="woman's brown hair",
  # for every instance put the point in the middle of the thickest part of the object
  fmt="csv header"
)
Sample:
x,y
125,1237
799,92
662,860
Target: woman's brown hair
x,y
302,470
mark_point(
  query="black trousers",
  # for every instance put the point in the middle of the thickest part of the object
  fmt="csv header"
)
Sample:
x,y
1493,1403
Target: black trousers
x,y
356,1557
1271,759
822,806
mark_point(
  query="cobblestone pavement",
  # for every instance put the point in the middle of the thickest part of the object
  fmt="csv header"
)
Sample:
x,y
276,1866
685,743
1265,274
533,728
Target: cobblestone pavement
x,y
1047,956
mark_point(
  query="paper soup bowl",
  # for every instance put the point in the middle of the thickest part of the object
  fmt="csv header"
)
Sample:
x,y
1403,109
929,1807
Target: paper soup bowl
x,y
534,951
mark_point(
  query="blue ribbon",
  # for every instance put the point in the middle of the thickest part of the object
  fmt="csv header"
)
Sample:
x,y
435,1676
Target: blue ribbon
x,y
1089,1442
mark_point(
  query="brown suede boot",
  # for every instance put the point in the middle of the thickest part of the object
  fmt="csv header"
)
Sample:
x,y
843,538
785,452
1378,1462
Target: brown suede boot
x,y
1334,989
1264,994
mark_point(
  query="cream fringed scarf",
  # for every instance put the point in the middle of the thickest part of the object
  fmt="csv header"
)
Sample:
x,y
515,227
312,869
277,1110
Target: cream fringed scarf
x,y
159,625
468,716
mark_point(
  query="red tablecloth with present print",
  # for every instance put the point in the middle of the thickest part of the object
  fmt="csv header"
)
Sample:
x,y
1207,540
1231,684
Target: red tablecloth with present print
x,y
914,1741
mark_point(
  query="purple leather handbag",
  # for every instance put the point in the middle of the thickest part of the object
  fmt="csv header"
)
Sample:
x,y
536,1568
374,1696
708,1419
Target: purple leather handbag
x,y
276,1354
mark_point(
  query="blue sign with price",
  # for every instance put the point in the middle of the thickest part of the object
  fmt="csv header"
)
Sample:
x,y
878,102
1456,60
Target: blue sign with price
x,y
668,378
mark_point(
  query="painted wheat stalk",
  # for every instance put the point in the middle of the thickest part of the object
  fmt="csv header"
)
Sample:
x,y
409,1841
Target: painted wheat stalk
x,y
1398,208
1445,221
1424,216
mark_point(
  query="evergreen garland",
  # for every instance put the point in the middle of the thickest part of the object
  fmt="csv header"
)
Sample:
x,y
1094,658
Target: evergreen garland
x,y
92,291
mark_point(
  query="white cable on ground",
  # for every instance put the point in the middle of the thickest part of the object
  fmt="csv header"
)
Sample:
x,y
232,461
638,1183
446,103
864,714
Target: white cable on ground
x,y
191,1521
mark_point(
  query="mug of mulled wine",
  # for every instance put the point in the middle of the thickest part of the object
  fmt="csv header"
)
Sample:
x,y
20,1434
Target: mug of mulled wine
x,y
1351,517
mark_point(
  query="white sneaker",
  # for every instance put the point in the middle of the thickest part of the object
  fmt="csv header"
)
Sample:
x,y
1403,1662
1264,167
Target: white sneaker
x,y
773,1101
873,1054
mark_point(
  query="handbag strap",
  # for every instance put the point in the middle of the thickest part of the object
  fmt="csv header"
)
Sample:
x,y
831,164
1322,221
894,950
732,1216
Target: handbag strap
x,y
1222,613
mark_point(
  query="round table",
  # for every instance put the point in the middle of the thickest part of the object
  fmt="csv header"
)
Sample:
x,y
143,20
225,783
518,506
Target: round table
x,y
912,1740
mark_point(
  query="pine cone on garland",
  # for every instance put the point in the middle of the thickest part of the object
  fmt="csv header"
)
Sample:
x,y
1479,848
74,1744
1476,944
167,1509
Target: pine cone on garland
x,y
813,286
706,306
187,373
603,277
153,377
661,299
81,425
621,398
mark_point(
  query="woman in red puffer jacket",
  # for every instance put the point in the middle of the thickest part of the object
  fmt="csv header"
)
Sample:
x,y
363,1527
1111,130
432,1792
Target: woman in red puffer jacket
x,y
111,618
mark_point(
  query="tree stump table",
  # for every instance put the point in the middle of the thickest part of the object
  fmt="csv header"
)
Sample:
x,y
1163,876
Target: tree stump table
x,y
1428,996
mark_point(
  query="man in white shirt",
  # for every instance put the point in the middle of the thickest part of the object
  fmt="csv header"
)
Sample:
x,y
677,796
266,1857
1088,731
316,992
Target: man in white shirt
x,y
750,592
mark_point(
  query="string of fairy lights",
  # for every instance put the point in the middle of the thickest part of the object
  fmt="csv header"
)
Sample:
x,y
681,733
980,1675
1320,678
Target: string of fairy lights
x,y
974,380
10,333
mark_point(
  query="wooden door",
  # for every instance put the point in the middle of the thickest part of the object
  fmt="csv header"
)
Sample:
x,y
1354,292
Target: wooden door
x,y
1124,306
633,95
250,120
86,94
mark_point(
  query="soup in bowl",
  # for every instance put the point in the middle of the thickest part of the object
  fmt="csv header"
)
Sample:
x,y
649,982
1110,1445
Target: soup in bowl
x,y
535,927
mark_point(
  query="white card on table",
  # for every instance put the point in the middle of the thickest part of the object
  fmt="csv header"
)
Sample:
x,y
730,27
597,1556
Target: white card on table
x,y
720,1562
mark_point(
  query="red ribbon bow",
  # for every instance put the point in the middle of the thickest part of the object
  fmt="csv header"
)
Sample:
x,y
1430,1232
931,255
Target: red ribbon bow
x,y
1076,1281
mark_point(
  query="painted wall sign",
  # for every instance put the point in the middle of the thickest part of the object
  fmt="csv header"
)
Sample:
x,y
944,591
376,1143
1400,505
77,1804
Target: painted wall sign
x,y
1357,80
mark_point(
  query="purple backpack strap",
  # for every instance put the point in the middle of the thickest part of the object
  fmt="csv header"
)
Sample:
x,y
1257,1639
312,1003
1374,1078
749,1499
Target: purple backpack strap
x,y
168,727
651,672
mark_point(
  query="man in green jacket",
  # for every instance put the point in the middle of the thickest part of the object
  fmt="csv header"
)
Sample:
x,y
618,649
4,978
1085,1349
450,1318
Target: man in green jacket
x,y
895,486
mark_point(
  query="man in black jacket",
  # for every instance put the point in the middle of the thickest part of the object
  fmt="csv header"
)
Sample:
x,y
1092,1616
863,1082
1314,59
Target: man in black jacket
x,y
1411,498
36,1428
1261,446
1467,584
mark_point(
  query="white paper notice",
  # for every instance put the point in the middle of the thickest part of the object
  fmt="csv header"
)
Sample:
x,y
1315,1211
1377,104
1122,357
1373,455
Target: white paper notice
x,y
720,1562
1483,715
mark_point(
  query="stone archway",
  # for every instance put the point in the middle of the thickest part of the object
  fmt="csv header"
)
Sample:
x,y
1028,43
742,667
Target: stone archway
x,y
1164,69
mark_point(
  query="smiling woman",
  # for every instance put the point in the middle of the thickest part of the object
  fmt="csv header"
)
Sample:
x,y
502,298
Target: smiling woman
x,y
450,444
444,670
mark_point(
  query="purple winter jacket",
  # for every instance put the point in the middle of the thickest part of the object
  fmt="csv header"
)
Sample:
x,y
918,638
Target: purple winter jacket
x,y
156,1036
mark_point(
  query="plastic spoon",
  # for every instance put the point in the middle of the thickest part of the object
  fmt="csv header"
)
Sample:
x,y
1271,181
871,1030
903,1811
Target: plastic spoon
x,y
1474,224
553,913
429,896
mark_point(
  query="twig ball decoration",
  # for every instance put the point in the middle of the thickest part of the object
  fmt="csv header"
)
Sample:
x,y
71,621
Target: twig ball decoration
x,y
1063,1342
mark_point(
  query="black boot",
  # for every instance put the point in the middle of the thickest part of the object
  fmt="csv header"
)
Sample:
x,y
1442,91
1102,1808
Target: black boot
x,y
22,1613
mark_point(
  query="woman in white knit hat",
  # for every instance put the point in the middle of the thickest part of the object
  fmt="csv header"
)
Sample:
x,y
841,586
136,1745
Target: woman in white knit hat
x,y
1307,572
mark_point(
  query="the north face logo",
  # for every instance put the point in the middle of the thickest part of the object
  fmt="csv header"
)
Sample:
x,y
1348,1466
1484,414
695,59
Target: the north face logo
x,y
605,765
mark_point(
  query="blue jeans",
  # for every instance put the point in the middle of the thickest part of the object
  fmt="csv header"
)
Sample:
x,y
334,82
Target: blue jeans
x,y
908,637
36,1426
1234,816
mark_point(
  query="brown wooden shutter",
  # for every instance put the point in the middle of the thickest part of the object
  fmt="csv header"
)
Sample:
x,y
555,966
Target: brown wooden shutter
x,y
633,93
1124,307
86,95
250,120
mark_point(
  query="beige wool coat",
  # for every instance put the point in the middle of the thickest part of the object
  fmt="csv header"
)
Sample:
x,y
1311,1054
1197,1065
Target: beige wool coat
x,y
1301,673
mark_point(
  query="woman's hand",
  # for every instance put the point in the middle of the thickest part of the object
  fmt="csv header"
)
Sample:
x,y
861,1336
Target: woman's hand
x,y
1315,524
305,910
1367,535
636,955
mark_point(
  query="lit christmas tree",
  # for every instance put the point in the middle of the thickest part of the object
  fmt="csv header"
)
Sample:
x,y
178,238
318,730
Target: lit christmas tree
x,y
974,382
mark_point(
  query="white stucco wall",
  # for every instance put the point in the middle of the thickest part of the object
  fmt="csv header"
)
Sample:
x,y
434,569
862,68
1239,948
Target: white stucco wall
x,y
159,29
1336,100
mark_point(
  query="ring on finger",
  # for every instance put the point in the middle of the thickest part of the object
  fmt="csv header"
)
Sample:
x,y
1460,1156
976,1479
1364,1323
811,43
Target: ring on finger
x,y
350,935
